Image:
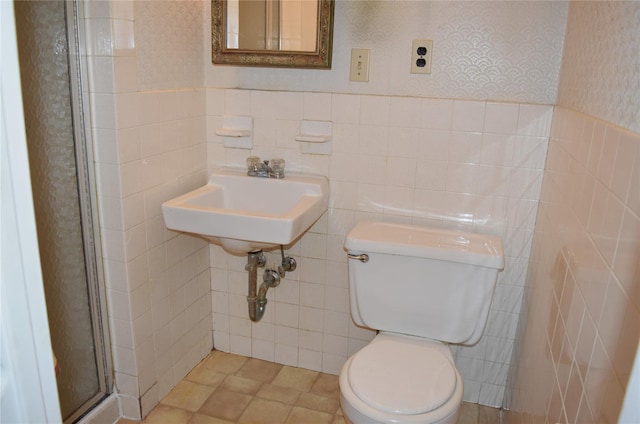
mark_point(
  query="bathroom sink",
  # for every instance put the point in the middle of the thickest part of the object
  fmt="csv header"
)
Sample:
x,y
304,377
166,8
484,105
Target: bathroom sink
x,y
245,214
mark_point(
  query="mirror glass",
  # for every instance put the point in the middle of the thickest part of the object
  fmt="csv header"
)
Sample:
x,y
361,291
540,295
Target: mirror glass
x,y
281,33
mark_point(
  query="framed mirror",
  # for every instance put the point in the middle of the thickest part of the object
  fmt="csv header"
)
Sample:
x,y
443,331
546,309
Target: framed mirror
x,y
272,33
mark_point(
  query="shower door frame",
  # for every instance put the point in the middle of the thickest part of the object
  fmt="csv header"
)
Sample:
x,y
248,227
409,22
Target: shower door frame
x,y
80,105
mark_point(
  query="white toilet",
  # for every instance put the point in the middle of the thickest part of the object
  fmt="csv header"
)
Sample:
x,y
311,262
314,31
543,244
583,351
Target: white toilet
x,y
421,288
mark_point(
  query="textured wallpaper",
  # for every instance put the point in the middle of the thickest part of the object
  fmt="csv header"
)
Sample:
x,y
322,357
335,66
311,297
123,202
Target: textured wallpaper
x,y
169,42
601,68
484,50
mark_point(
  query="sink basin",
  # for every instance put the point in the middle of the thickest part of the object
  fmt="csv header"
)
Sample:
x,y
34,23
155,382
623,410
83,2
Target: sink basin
x,y
245,214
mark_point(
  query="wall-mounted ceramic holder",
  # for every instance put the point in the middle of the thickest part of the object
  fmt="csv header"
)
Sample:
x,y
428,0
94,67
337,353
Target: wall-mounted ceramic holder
x,y
236,131
315,137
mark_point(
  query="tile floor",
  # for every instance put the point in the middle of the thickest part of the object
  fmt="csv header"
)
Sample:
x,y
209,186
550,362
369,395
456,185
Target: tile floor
x,y
226,388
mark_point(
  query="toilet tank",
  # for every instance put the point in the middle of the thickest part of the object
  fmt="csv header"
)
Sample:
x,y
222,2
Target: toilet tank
x,y
422,281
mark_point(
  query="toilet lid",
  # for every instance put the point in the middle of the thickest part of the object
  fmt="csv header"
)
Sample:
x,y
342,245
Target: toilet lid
x,y
405,379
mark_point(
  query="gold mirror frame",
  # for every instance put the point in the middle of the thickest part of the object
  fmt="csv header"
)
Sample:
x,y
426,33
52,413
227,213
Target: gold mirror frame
x,y
319,59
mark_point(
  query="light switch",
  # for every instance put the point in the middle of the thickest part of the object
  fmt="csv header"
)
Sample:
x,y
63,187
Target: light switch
x,y
359,65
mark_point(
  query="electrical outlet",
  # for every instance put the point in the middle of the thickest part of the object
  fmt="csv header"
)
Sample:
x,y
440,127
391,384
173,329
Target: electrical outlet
x,y
421,56
359,70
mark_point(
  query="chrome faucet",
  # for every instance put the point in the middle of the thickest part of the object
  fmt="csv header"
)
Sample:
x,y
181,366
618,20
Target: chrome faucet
x,y
264,170
255,168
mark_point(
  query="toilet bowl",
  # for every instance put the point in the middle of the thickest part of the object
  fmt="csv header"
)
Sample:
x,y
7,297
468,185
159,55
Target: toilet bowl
x,y
401,379
421,288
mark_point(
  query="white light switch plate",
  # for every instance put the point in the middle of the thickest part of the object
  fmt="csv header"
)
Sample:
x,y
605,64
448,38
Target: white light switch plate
x,y
359,70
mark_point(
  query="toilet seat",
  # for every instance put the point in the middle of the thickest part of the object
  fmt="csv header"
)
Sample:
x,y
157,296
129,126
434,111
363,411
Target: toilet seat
x,y
413,379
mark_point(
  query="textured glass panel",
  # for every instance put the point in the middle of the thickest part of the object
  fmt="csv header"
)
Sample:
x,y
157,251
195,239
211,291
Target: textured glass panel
x,y
42,41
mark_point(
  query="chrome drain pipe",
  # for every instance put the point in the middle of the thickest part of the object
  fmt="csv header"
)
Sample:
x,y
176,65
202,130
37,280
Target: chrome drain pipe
x,y
270,278
256,308
257,300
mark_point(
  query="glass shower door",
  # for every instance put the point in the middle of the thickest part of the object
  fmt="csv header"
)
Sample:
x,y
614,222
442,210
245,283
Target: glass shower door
x,y
62,199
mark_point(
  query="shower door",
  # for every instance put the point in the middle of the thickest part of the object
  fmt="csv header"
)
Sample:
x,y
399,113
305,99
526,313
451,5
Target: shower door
x,y
62,194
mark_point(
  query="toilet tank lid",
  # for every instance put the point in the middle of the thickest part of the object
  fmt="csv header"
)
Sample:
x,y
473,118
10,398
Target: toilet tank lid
x,y
426,242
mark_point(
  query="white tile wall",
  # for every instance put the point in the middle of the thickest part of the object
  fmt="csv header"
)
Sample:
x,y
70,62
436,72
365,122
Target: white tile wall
x,y
583,310
579,328
150,146
442,162
424,160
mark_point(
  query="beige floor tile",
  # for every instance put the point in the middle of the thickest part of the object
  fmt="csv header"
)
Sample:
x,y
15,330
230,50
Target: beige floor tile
x,y
339,419
203,375
240,393
260,370
127,421
318,403
281,394
488,415
327,385
188,395
296,378
302,415
163,414
225,404
240,385
262,411
223,362
205,419
468,413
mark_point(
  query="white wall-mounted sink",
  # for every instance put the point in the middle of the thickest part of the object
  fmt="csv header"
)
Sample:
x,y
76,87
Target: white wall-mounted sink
x,y
245,214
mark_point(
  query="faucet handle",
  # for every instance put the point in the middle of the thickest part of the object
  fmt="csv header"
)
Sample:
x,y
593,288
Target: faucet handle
x,y
277,167
253,164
